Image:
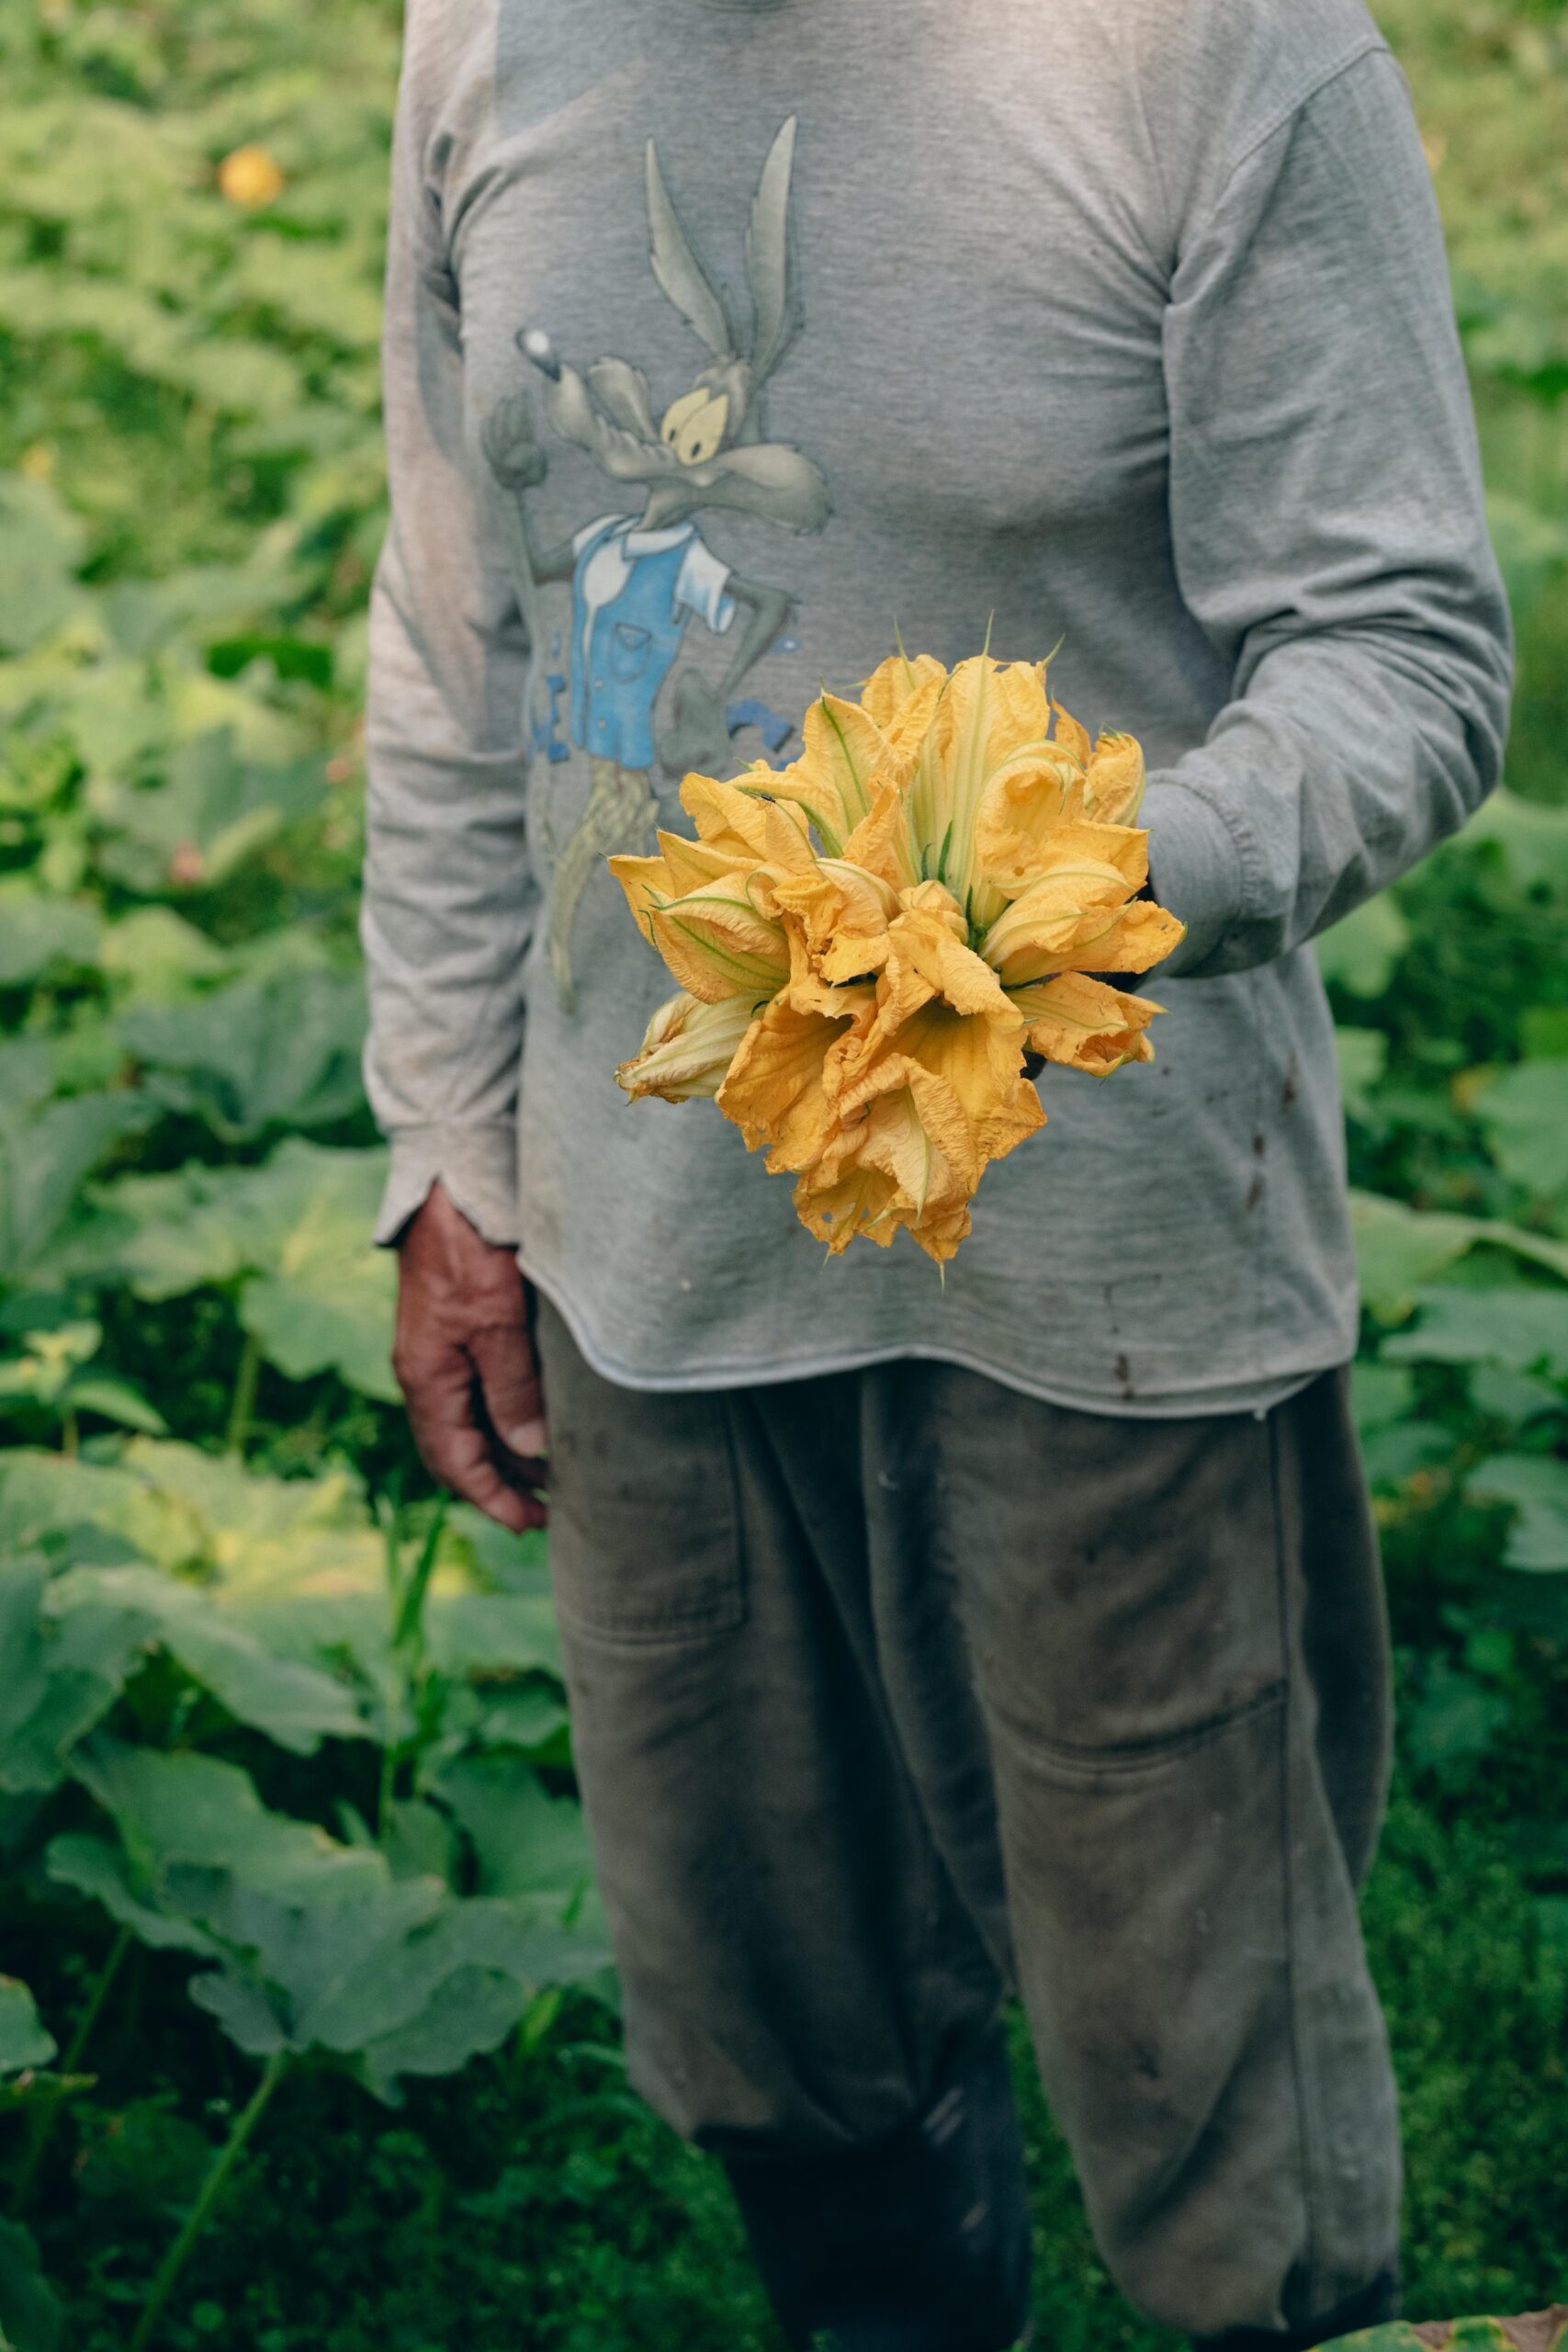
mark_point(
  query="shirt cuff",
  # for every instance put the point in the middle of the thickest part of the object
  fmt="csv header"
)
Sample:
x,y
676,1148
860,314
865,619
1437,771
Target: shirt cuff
x,y
477,1166
1195,870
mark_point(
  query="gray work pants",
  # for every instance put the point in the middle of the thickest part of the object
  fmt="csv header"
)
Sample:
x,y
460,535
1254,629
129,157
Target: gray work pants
x,y
895,1690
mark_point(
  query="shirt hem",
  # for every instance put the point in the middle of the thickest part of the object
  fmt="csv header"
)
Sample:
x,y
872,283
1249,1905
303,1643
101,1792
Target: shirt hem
x,y
1254,1396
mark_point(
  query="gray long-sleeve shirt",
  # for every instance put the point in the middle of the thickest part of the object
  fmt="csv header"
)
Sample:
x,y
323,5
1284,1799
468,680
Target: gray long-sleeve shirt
x,y
1112,321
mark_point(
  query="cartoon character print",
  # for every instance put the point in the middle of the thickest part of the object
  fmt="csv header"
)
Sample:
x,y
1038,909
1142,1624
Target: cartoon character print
x,y
640,578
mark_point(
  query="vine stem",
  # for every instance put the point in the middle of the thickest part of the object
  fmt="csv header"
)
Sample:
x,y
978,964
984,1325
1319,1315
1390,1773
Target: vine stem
x,y
243,1403
211,2190
44,2121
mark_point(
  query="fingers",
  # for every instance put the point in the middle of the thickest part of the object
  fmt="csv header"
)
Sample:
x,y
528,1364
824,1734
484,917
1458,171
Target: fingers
x,y
457,1450
504,1358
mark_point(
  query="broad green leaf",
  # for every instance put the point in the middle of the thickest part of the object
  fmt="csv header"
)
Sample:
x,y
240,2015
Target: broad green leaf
x,y
253,1537
184,1810
530,1848
1512,1396
1363,1061
113,1399
1537,1486
42,546
252,1057
24,2040
472,2010
1359,953
1399,1248
1531,546
517,1563
43,1158
214,809
491,1633
30,2312
1533,836
1399,1453
40,935
1525,1113
327,1301
315,1290
59,1679
26,1075
1522,1325
1381,1393
296,1706
335,1968
154,956
1454,1721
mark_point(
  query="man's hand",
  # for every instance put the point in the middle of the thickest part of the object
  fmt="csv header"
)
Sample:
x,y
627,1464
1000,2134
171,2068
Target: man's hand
x,y
465,1362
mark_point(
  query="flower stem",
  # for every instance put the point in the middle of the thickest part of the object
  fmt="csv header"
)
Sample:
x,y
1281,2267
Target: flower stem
x,y
243,1403
212,2190
44,2120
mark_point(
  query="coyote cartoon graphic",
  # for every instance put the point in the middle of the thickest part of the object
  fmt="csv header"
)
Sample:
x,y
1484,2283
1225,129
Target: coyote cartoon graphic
x,y
640,576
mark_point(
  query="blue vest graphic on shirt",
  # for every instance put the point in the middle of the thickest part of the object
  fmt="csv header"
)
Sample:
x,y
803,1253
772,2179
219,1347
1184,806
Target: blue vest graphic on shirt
x,y
623,648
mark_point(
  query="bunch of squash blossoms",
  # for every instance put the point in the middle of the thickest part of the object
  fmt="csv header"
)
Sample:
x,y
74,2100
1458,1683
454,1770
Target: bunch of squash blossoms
x,y
870,942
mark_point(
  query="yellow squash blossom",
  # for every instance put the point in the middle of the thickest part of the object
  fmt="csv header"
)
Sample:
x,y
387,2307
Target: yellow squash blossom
x,y
250,178
870,941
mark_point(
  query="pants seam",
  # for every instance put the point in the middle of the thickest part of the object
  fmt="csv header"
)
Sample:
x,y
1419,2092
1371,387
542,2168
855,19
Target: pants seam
x,y
1287,1871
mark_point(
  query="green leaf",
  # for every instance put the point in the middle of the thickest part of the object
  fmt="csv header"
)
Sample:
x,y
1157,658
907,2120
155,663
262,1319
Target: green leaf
x,y
1454,1722
40,935
1508,1396
113,1399
530,1848
1532,835
59,1679
1525,1113
1359,953
41,545
491,1633
315,1290
184,1810
24,2040
214,810
30,2311
472,2010
1522,1327
1397,1453
294,1704
328,1301
1363,1063
44,1156
1537,1486
252,1057
154,956
1379,1394
1399,1248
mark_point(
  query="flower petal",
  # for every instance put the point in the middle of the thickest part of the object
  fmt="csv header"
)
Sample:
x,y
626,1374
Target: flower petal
x,y
717,943
1084,1025
687,1049
833,783
1113,781
897,683
776,1091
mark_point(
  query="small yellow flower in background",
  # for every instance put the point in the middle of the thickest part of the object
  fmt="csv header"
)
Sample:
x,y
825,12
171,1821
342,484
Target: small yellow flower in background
x,y
869,940
249,177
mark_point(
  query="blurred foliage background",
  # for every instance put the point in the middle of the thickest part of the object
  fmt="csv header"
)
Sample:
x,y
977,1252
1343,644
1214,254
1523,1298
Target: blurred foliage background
x,y
271,1723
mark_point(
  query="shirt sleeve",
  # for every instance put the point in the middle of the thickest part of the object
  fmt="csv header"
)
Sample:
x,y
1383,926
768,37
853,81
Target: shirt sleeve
x,y
700,585
448,899
1330,534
